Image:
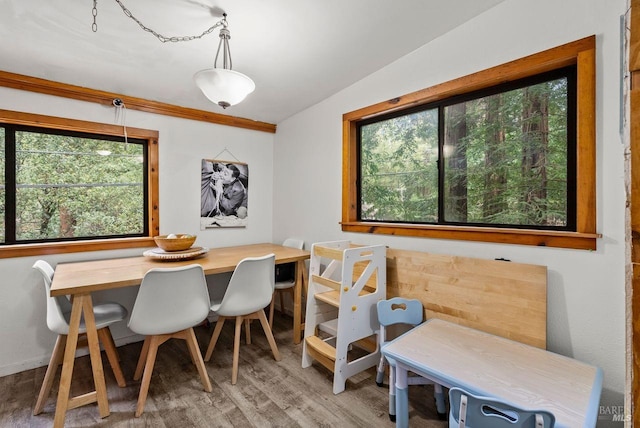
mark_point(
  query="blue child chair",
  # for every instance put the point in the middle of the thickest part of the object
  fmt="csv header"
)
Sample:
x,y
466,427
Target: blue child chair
x,y
471,411
408,312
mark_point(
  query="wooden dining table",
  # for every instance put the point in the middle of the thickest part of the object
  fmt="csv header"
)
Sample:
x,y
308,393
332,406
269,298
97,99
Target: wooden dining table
x,y
80,279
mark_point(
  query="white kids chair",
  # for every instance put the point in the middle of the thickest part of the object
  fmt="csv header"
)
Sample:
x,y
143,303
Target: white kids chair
x,y
409,312
170,302
250,290
58,315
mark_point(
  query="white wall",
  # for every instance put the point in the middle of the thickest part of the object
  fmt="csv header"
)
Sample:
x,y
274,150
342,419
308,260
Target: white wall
x,y
26,341
586,290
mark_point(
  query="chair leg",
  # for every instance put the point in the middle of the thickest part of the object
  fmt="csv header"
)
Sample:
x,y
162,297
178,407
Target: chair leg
x,y
247,330
236,351
47,383
280,293
112,355
148,370
271,308
214,337
380,372
196,356
267,331
291,295
142,358
281,301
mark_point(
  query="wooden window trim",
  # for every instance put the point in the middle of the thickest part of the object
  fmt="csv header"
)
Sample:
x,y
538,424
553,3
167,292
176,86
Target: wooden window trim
x,y
580,53
23,250
58,89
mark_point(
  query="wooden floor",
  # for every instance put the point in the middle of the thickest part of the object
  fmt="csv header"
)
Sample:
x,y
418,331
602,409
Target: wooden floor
x,y
267,394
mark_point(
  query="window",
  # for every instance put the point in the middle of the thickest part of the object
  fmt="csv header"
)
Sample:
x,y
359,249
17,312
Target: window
x,y
498,158
504,155
75,186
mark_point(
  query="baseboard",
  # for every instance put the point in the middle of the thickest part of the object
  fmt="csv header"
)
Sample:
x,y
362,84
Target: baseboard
x,y
24,365
43,360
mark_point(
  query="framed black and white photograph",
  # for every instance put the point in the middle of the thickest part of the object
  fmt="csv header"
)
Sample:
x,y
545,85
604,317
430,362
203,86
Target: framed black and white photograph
x,y
224,194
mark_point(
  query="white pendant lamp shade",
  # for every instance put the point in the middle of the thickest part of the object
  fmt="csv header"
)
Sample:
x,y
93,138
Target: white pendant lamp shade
x,y
223,86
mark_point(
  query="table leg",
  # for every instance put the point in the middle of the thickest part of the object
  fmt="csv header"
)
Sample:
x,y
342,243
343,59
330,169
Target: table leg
x,y
96,358
81,303
402,397
67,364
297,302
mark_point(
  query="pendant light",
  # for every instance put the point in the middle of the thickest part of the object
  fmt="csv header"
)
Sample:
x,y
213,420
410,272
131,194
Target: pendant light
x,y
224,86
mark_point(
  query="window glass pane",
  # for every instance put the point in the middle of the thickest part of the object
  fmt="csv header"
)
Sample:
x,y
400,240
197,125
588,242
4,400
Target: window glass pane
x,y
506,158
72,187
398,169
2,184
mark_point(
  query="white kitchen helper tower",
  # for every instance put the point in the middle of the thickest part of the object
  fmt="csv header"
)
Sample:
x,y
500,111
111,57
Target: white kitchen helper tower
x,y
341,307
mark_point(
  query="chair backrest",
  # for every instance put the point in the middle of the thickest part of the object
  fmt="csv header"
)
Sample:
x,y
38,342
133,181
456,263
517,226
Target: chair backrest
x,y
293,243
57,306
286,272
400,311
250,288
170,300
471,411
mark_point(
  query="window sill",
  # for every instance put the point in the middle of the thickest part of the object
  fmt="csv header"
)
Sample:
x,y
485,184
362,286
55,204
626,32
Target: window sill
x,y
25,250
540,238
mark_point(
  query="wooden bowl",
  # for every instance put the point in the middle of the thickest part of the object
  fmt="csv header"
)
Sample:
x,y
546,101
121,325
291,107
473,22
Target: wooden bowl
x,y
181,242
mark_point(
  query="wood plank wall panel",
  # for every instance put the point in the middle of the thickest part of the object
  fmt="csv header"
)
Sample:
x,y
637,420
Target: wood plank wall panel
x,y
503,298
634,69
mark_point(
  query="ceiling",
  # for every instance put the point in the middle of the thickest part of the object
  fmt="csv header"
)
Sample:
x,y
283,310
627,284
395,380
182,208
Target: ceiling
x,y
298,52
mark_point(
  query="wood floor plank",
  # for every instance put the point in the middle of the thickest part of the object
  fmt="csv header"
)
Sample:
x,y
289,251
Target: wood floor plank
x,y
268,393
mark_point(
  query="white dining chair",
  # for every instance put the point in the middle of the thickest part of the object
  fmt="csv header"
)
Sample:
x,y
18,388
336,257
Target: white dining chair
x,y
471,411
58,315
249,291
409,313
170,302
287,280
